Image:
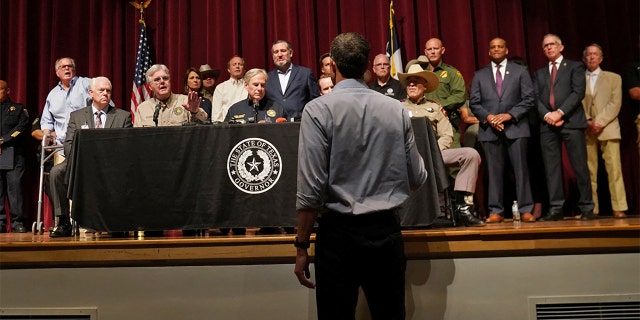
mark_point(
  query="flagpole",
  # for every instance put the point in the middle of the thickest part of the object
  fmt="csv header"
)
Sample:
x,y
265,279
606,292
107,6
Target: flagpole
x,y
141,91
393,46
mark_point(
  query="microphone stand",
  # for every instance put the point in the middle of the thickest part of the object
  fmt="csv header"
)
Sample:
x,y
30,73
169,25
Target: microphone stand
x,y
156,112
255,112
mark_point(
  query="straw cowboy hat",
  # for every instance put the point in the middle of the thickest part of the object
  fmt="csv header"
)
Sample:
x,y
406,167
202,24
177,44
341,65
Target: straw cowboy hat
x,y
415,70
206,71
422,61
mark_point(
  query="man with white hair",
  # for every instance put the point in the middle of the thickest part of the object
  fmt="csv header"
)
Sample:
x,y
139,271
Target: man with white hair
x,y
98,115
167,108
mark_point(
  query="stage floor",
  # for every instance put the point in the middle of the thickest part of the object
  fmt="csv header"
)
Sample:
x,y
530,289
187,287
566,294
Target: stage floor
x,y
569,236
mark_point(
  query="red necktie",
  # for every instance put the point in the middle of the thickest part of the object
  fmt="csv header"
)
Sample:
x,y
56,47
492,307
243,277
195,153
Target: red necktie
x,y
552,98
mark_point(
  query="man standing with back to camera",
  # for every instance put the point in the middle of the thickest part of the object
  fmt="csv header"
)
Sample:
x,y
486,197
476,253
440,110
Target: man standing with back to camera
x,y
357,164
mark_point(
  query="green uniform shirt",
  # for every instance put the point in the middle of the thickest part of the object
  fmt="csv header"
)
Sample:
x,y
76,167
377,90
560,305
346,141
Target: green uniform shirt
x,y
451,92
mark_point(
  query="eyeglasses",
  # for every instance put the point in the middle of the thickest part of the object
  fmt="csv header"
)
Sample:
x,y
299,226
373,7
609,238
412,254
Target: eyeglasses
x,y
381,65
65,66
158,80
551,44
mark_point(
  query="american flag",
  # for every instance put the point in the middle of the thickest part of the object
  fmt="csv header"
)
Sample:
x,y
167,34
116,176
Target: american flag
x,y
141,91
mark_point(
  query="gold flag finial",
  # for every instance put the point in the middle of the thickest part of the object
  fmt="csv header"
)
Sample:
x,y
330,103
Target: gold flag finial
x,y
140,5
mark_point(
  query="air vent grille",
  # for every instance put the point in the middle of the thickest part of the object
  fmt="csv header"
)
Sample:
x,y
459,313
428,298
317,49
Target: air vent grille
x,y
587,311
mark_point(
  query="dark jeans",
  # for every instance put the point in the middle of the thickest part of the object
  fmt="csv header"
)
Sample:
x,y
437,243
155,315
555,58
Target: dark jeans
x,y
360,251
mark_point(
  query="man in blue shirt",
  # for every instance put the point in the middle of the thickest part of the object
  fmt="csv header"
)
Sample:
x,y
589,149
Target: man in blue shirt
x,y
70,94
357,163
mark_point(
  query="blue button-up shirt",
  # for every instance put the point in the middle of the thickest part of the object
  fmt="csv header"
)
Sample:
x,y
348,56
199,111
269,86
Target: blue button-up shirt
x,y
60,103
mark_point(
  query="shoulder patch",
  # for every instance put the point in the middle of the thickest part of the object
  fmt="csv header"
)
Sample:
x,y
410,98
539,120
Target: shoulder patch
x,y
444,112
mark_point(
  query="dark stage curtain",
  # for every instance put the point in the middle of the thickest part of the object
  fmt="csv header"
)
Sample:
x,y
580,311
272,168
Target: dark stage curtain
x,y
102,37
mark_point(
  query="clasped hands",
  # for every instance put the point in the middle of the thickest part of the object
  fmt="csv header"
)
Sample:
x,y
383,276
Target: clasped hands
x,y
594,128
497,121
554,118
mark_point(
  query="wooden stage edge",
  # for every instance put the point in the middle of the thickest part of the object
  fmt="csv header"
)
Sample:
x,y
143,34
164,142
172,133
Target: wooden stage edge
x,y
601,236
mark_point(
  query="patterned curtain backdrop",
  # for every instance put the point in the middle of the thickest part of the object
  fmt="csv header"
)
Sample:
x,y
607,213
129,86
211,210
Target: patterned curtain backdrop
x,y
102,37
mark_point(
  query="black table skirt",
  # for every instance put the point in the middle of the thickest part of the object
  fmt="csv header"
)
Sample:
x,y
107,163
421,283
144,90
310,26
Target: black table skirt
x,y
177,177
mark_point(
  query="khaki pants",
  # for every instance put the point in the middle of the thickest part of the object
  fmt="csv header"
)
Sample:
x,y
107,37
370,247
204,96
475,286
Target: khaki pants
x,y
611,155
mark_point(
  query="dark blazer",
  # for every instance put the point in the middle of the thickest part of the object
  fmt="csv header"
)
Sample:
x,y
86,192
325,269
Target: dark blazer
x,y
568,91
301,88
516,98
14,123
83,119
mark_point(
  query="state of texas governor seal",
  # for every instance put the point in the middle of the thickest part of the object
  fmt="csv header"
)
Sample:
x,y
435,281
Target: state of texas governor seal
x,y
254,165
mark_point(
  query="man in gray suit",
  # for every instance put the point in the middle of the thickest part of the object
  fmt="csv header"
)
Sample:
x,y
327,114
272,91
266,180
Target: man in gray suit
x,y
501,96
560,88
96,116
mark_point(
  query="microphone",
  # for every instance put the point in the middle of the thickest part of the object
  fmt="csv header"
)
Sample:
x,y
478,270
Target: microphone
x,y
156,112
255,112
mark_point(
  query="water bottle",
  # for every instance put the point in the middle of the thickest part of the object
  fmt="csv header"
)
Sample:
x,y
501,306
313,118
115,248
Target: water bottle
x,y
516,213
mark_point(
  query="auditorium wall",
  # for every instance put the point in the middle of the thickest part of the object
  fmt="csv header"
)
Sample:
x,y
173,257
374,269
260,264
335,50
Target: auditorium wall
x,y
102,36
470,288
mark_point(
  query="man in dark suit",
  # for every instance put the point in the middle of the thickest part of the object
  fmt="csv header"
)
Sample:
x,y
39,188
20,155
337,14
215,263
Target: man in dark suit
x,y
96,116
290,85
560,87
501,96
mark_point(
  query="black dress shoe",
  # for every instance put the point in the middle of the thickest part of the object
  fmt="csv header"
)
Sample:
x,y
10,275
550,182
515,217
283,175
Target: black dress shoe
x,y
465,218
18,227
552,216
62,230
588,216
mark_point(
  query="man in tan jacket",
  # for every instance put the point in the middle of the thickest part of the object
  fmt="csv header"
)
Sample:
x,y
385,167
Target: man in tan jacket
x,y
602,101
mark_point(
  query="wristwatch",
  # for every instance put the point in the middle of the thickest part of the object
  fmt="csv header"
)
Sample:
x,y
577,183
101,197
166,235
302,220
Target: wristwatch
x,y
302,245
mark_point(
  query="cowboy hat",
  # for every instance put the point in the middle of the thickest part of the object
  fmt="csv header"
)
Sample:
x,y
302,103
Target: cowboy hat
x,y
415,70
422,61
206,71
